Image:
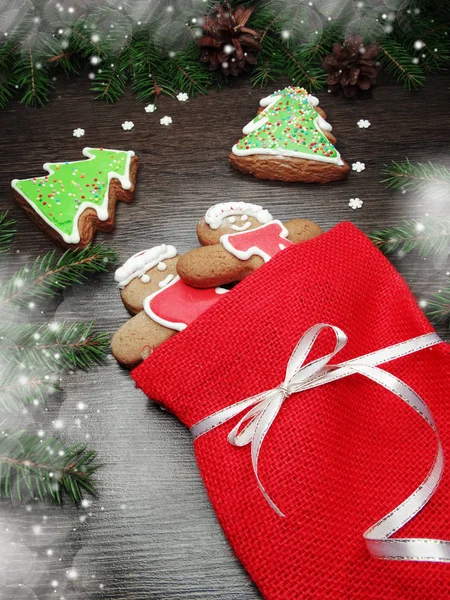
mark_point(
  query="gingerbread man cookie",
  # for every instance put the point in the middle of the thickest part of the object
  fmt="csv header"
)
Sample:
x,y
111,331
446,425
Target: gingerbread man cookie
x,y
232,255
161,303
289,140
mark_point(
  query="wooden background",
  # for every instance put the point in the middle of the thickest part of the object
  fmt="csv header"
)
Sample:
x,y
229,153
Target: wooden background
x,y
152,534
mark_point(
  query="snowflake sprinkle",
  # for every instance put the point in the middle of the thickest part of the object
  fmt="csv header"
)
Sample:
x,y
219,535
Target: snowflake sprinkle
x,y
355,203
358,166
127,125
150,108
182,97
78,132
166,120
363,123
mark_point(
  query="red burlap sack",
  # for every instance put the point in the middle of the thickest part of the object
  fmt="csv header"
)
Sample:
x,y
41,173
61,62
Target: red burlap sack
x,y
338,457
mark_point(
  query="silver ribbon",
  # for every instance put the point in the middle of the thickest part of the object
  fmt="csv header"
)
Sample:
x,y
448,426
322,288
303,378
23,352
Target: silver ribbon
x,y
263,408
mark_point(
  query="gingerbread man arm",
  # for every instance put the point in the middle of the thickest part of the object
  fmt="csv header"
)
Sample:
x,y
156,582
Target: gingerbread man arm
x,y
137,338
205,266
209,266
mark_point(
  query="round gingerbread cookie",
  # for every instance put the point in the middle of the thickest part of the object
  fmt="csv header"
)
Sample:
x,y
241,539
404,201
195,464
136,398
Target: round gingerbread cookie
x,y
230,217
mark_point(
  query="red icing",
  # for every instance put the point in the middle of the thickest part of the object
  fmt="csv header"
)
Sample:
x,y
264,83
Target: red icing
x,y
180,303
266,239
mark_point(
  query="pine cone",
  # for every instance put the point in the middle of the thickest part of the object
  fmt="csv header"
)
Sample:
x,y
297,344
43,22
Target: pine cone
x,y
351,66
229,45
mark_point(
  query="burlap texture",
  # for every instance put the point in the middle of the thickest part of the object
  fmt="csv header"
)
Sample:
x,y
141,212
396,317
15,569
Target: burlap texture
x,y
338,457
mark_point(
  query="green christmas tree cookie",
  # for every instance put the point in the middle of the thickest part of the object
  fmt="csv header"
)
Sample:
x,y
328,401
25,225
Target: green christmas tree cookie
x,y
288,139
75,198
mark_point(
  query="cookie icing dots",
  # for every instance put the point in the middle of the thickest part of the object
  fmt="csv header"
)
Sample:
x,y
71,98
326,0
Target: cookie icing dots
x,y
139,263
216,215
289,125
60,197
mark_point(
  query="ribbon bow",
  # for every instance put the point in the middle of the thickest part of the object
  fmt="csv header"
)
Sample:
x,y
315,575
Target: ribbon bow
x,y
265,406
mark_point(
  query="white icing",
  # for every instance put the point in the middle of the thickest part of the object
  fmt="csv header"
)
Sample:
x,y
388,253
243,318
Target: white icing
x,y
254,125
160,320
280,153
232,219
217,213
139,263
244,218
100,209
241,227
166,281
157,318
319,123
253,250
161,266
145,278
281,246
313,100
322,124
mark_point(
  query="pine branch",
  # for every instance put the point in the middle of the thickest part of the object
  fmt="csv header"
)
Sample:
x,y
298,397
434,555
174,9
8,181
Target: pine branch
x,y
31,74
54,346
7,87
435,55
263,73
48,276
303,74
398,62
438,307
45,468
7,231
82,42
150,71
65,61
189,74
429,235
317,50
416,176
30,57
112,80
20,389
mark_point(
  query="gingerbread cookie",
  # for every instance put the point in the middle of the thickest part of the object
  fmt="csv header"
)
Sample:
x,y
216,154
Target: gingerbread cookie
x,y
233,255
151,288
77,198
289,140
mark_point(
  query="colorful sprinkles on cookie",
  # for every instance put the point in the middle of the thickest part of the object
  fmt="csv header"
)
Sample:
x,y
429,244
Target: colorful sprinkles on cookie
x,y
70,188
289,126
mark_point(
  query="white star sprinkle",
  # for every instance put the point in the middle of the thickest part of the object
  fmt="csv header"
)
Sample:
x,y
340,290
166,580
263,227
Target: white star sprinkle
x,y
166,120
363,123
358,166
127,125
355,203
78,132
182,97
150,108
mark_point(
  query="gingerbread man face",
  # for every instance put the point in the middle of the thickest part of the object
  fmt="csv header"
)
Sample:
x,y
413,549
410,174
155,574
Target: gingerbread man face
x,y
228,218
145,273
